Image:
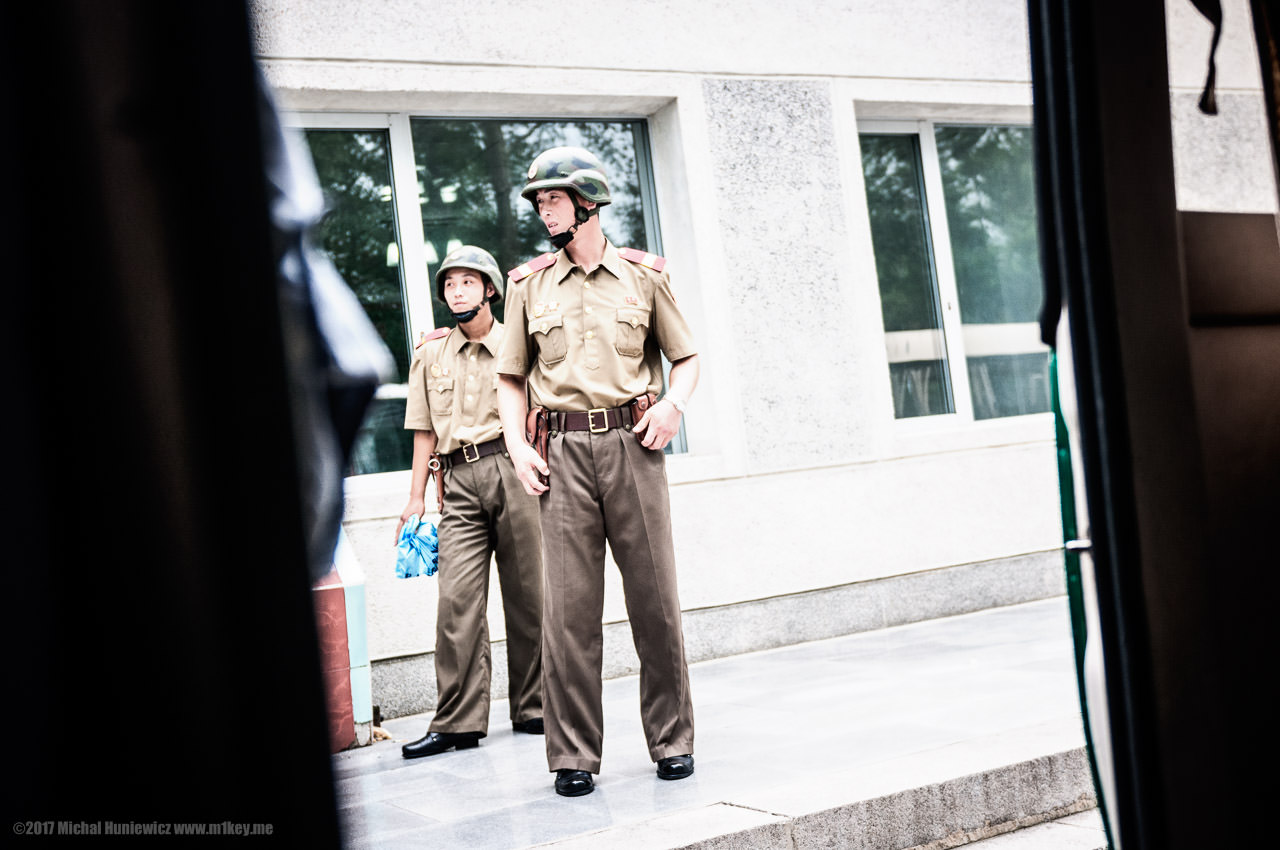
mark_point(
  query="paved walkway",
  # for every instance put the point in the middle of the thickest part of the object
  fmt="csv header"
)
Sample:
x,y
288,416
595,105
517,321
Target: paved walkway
x,y
867,740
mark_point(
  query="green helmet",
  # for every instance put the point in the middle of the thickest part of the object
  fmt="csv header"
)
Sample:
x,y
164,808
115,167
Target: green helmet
x,y
568,168
471,257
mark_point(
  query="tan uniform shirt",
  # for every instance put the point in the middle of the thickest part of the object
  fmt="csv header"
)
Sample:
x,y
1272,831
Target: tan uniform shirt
x,y
592,340
453,389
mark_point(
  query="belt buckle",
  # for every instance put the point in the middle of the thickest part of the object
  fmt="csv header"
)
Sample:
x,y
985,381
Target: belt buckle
x,y
591,420
473,456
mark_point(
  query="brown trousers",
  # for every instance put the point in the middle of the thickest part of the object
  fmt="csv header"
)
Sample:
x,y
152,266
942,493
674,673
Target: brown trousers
x,y
487,512
609,487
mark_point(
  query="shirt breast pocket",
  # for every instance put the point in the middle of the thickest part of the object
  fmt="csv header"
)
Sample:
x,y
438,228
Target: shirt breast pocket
x,y
548,332
632,330
440,396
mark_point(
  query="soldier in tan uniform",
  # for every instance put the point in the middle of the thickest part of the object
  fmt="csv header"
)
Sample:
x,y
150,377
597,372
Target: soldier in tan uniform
x,y
587,325
452,410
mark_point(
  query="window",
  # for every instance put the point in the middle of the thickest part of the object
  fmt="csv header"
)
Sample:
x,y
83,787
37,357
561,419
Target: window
x,y
953,226
403,191
359,234
470,174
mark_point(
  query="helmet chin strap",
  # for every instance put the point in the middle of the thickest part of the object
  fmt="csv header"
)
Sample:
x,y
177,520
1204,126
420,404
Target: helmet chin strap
x,y
463,318
581,215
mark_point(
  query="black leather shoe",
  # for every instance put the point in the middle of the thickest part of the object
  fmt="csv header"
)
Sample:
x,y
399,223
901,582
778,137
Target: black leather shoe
x,y
437,742
675,767
573,783
532,726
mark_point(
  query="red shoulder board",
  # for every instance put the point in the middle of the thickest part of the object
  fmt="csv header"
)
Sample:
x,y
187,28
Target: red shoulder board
x,y
425,337
534,265
652,261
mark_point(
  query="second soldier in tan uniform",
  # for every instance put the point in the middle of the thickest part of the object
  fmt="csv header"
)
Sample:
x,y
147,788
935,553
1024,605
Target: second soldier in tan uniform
x,y
452,410
587,325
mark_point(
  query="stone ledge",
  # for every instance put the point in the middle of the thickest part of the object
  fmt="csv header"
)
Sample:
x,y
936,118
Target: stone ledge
x,y
937,816
406,685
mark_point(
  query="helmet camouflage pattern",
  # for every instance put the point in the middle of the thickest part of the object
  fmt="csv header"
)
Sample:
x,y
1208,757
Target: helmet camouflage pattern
x,y
568,168
477,259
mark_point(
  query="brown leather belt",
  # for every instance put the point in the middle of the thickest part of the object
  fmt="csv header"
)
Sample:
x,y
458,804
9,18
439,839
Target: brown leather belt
x,y
473,452
597,420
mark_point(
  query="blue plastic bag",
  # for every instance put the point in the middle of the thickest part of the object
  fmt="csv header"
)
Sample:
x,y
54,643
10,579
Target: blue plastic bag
x,y
416,552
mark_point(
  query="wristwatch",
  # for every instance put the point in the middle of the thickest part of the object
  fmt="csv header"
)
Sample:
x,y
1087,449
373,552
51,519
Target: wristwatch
x,y
677,401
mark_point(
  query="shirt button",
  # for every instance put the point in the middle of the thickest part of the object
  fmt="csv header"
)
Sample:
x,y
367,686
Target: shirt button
x,y
590,334
586,284
473,358
586,309
468,398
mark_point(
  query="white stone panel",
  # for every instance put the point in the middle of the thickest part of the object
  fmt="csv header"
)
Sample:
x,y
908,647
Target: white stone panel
x,y
1222,163
1189,34
958,39
778,188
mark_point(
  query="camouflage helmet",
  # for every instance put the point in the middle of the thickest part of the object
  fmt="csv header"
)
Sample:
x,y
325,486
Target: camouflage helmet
x,y
471,257
568,168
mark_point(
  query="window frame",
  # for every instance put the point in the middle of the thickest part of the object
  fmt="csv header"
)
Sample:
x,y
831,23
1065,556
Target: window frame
x,y
945,275
416,284
410,239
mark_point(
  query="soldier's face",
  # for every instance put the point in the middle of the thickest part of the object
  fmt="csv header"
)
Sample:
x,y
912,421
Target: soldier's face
x,y
463,289
555,208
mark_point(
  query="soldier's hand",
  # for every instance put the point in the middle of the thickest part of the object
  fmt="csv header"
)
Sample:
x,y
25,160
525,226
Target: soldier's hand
x,y
416,506
658,425
529,466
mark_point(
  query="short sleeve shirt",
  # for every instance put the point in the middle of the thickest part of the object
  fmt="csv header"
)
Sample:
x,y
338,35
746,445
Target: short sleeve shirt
x,y
587,340
453,389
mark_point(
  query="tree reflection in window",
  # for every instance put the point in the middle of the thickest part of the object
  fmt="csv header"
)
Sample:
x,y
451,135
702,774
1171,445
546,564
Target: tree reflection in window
x,y
470,175
914,339
359,226
359,234
989,185
988,182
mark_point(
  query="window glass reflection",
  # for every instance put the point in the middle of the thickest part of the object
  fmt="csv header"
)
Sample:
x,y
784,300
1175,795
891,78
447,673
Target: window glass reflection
x,y
471,174
914,338
359,233
989,186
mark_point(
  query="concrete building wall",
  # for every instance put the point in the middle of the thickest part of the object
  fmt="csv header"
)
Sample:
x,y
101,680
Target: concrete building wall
x,y
798,479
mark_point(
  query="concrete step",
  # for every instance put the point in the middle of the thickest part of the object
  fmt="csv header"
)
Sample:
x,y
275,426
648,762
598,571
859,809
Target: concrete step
x,y
1075,832
934,734
1010,803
